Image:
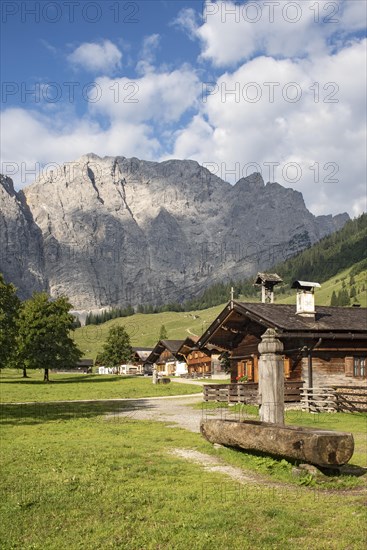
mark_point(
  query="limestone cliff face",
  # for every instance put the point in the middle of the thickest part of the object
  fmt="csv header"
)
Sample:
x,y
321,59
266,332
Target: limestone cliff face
x,y
112,231
21,250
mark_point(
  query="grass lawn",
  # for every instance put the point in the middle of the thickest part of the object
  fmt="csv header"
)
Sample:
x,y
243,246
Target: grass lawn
x,y
65,387
75,478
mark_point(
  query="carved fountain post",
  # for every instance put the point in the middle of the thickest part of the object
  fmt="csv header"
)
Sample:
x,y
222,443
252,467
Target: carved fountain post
x,y
271,378
270,435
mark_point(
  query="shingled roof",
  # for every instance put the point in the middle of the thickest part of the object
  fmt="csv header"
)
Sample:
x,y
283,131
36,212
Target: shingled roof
x,y
271,277
171,345
326,319
333,322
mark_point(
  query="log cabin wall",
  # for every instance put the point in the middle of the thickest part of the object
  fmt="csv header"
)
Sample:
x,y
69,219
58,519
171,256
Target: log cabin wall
x,y
241,357
244,361
250,367
333,369
332,358
165,357
296,368
198,361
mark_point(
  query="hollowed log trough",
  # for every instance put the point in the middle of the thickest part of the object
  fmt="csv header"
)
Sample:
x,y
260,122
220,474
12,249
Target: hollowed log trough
x,y
319,447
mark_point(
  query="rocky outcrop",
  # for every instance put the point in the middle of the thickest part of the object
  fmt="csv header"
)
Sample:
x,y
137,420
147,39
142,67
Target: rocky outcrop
x,y
21,243
113,231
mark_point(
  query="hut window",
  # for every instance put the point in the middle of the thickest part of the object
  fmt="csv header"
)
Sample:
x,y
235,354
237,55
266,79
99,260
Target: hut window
x,y
359,367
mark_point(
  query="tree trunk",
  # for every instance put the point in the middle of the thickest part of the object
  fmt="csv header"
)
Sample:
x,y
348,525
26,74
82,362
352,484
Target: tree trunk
x,y
25,372
45,377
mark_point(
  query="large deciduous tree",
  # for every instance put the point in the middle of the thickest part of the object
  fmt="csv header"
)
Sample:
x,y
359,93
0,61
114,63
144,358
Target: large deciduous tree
x,y
9,310
44,340
117,348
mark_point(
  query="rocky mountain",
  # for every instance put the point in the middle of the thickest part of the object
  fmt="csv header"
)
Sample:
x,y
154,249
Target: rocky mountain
x,y
112,231
21,242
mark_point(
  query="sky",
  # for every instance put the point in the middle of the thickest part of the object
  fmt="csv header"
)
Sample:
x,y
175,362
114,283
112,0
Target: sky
x,y
270,86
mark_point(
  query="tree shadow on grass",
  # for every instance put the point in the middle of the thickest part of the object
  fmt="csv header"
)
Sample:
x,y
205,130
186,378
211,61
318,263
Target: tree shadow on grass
x,y
39,413
75,379
348,469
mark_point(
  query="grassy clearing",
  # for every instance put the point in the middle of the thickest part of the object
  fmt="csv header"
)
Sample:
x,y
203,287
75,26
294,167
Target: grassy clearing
x,y
73,478
65,387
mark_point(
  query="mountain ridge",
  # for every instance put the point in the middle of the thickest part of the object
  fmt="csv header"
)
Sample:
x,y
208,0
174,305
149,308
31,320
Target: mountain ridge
x,y
113,231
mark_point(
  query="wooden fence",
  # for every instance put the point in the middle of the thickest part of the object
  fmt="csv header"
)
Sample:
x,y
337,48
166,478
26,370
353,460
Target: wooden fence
x,y
335,399
327,399
318,400
247,393
351,399
196,375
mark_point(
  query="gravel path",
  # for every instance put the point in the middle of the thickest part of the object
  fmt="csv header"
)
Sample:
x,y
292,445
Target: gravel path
x,y
175,411
213,464
189,381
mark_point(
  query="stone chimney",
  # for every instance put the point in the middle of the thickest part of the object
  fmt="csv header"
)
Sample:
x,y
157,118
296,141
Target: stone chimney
x,y
267,281
305,298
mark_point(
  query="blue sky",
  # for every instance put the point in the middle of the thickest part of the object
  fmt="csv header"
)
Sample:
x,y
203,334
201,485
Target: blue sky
x,y
271,86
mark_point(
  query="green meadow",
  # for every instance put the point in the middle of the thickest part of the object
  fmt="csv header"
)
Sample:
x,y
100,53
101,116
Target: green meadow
x,y
144,329
66,387
80,476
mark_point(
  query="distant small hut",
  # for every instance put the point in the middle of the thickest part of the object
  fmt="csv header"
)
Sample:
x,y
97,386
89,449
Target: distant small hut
x,y
164,356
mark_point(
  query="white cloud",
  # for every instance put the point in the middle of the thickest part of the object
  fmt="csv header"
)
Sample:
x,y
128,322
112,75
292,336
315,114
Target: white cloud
x,y
101,58
354,14
133,113
48,46
45,142
148,54
236,125
187,20
323,132
159,97
235,32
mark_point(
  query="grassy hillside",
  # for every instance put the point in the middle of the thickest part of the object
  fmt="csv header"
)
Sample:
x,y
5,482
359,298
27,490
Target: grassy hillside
x,y
323,294
333,254
144,328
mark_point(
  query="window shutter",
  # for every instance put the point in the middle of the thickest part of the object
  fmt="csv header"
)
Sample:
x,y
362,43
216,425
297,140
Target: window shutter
x,y
249,371
348,366
287,367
